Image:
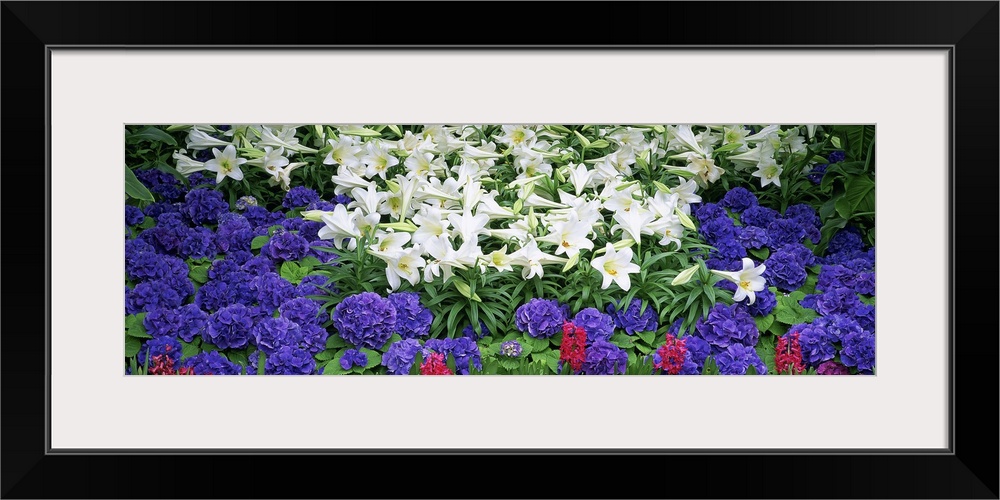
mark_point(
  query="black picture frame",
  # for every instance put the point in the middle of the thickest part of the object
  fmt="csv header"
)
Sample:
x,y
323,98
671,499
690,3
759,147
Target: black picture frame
x,y
967,469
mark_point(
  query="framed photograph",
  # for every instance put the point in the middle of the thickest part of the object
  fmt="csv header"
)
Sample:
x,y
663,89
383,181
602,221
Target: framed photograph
x,y
307,201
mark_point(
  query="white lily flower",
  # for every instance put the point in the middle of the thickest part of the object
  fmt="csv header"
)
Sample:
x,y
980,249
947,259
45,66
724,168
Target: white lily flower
x,y
685,192
197,139
769,172
620,200
480,154
530,164
685,136
533,200
443,258
766,134
469,226
516,135
346,180
187,165
489,206
409,143
615,266
344,152
735,134
748,280
430,224
569,237
471,195
272,162
499,260
370,200
283,176
669,229
704,168
634,222
404,266
418,164
377,160
398,205
284,138
390,243
531,259
795,142
580,176
629,136
340,226
225,164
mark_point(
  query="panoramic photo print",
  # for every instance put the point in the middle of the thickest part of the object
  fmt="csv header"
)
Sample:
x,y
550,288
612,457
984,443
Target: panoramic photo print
x,y
499,249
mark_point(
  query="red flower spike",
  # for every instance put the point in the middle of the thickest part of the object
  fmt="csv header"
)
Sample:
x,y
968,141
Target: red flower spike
x,y
788,355
573,349
672,354
434,364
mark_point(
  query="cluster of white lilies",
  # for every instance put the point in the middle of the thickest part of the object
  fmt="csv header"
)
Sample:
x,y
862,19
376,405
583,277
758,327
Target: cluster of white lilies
x,y
451,197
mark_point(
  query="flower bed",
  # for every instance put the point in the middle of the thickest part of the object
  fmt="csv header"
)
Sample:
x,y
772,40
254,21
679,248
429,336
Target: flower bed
x,y
490,249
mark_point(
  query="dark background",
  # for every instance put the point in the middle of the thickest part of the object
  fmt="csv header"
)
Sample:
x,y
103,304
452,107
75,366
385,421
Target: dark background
x,y
971,472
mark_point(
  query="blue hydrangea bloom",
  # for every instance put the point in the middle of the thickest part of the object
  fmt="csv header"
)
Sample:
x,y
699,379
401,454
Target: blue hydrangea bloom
x,y
150,295
727,325
133,215
199,179
234,233
783,232
258,265
632,320
272,290
836,157
314,285
846,240
511,349
147,266
270,334
737,358
597,324
155,209
289,360
216,294
398,359
838,326
753,237
859,351
299,196
709,211
604,358
211,363
229,327
718,229
817,344
198,243
203,206
314,337
352,358
463,349
412,318
764,302
698,349
365,320
286,246
300,310
738,199
160,346
541,318
729,249
470,332
784,270
758,216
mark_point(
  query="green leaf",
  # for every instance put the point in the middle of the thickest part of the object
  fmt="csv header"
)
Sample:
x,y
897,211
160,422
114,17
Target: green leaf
x,y
374,357
509,364
860,195
199,274
261,362
789,312
292,272
334,342
760,253
189,350
537,345
238,357
326,355
647,337
333,367
132,346
134,188
258,242
763,323
622,340
418,360
451,363
147,222
151,134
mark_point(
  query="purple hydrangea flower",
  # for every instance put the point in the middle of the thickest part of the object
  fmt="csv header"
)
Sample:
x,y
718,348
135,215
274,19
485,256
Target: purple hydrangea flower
x,y
753,237
151,295
398,359
270,334
299,196
300,310
258,265
541,318
846,240
597,324
604,358
272,290
783,232
289,360
764,302
412,318
709,211
203,206
314,337
838,326
463,349
511,349
718,229
198,243
758,216
313,285
211,363
133,215
158,208
729,249
727,325
470,332
836,157
160,346
817,344
737,359
832,368
738,199
365,320
632,320
229,327
697,349
784,270
286,246
199,179
160,183
859,351
352,358
234,233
